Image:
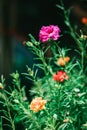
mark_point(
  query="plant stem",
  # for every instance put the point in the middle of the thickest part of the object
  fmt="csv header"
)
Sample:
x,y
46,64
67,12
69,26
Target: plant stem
x,y
1,124
9,113
30,116
50,123
11,121
72,32
79,43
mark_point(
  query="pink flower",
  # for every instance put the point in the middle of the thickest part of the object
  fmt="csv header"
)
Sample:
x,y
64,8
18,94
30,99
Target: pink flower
x,y
49,32
60,76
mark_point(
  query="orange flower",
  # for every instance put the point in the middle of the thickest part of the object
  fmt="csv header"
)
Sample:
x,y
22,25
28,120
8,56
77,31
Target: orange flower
x,y
37,104
84,20
62,61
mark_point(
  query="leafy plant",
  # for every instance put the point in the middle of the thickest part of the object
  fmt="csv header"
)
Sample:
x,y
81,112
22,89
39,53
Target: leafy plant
x,y
59,98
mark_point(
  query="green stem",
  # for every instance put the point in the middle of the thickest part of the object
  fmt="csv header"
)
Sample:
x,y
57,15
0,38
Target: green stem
x,y
82,63
72,32
9,113
30,116
1,124
50,119
11,121
79,43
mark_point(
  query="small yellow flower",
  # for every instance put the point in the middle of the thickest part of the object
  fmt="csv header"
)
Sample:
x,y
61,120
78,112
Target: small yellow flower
x,y
66,120
37,104
63,60
1,86
30,44
84,36
85,125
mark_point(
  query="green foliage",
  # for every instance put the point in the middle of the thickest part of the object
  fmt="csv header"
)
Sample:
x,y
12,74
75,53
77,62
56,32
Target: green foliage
x,y
66,102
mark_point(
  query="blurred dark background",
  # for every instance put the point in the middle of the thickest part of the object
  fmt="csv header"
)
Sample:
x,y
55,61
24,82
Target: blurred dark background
x,y
18,18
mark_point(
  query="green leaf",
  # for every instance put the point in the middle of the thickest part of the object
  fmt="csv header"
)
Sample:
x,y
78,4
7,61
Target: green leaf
x,y
60,7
